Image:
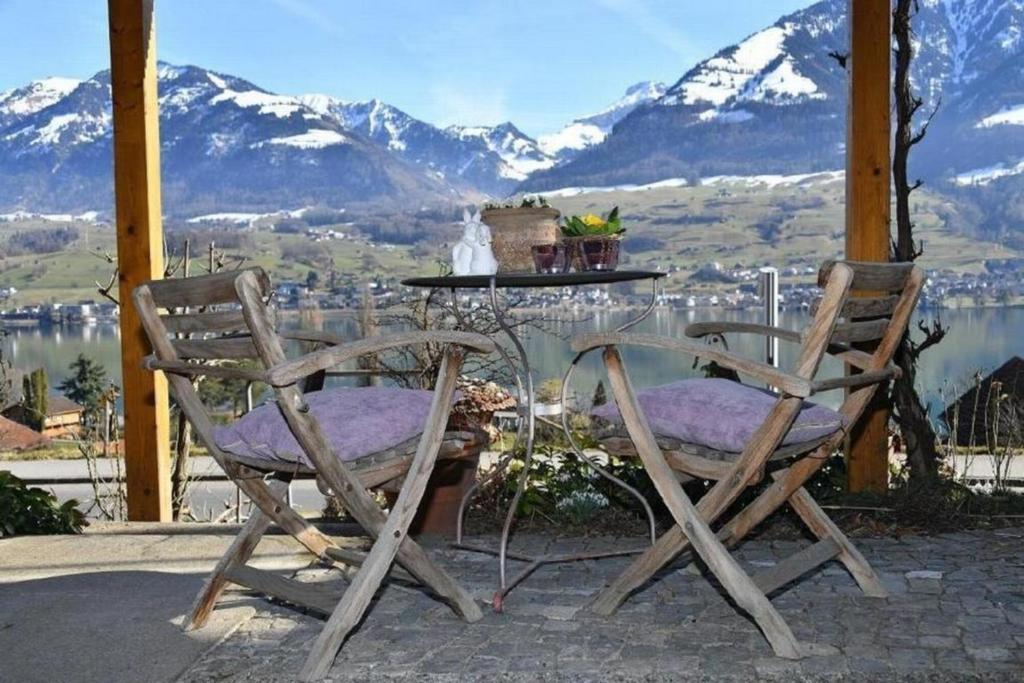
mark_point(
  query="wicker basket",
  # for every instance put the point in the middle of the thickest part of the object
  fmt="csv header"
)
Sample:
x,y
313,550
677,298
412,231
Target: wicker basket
x,y
515,231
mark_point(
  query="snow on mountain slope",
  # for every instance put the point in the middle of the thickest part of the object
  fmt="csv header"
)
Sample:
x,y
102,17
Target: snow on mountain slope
x,y
779,84
590,130
976,30
466,160
1009,116
311,139
276,105
224,141
76,119
520,153
376,120
725,75
774,103
37,95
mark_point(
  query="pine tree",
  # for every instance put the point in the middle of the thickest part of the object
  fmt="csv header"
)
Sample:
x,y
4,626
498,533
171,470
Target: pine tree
x,y
86,386
34,390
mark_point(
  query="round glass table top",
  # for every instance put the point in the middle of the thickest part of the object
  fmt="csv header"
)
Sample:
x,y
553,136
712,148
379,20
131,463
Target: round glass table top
x,y
520,280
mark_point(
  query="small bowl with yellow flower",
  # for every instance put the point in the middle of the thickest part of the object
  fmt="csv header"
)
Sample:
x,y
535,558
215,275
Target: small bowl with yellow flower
x,y
592,241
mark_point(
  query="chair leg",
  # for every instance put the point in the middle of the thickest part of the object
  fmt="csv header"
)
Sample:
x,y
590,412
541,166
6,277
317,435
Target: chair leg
x,y
285,517
674,541
668,546
238,552
823,527
369,577
737,583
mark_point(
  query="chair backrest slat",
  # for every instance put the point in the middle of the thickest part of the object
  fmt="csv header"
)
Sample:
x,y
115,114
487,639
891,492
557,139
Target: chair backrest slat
x,y
207,329
888,295
865,307
870,277
202,290
224,348
860,331
207,321
819,333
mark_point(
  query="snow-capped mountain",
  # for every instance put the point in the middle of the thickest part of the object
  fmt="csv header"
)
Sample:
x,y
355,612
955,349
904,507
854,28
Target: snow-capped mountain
x,y
225,143
489,159
776,102
228,143
37,95
590,130
520,153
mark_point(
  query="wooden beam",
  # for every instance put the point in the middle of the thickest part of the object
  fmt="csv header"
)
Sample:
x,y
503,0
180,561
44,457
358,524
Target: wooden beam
x,y
868,199
133,75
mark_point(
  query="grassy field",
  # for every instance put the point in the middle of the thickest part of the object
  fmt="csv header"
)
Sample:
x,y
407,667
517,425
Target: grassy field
x,y
754,226
686,227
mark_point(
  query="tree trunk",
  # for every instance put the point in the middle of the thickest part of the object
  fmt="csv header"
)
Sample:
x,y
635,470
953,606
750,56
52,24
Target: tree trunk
x,y
911,415
179,475
919,437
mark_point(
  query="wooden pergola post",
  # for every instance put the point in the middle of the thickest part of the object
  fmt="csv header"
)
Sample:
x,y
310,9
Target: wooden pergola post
x,y
868,198
133,79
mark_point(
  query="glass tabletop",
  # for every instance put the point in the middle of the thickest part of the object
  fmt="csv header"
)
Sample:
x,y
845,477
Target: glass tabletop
x,y
523,280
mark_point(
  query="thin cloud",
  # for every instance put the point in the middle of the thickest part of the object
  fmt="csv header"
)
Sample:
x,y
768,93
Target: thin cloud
x,y
310,13
639,14
466,105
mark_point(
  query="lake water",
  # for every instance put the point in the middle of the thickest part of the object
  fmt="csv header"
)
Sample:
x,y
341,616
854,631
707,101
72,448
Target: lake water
x,y
979,339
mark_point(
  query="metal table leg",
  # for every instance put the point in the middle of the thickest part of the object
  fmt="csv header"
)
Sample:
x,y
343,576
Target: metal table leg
x,y
523,376
577,451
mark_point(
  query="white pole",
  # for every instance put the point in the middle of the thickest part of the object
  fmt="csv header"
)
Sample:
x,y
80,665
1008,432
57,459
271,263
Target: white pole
x,y
768,289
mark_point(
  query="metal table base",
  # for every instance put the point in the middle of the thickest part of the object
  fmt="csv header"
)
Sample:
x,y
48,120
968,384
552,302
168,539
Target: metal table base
x,y
525,434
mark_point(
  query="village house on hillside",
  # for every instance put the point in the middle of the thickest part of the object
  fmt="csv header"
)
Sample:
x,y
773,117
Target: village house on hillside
x,y
63,416
991,413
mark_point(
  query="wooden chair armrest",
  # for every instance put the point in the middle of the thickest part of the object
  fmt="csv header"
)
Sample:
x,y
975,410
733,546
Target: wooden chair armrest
x,y
292,371
314,336
859,379
787,383
703,329
180,367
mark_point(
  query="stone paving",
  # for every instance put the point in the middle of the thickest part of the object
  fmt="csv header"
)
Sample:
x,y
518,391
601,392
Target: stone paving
x,y
956,612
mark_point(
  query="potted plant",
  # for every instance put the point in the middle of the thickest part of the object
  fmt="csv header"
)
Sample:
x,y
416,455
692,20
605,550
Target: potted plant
x,y
516,228
593,241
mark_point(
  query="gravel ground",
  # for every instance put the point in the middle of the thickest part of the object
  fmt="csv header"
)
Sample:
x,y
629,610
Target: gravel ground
x,y
956,612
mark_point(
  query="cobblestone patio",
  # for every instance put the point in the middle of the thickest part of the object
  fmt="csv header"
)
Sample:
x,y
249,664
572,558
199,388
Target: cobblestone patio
x,y
956,612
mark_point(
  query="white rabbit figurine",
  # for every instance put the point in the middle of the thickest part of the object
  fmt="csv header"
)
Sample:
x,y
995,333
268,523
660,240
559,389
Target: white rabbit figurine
x,y
483,262
472,255
462,253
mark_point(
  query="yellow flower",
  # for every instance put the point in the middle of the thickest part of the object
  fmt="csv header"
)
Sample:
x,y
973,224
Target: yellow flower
x,y
594,221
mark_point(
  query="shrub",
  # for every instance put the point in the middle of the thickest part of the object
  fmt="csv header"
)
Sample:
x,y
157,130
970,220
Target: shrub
x,y
291,226
321,217
639,243
40,241
25,510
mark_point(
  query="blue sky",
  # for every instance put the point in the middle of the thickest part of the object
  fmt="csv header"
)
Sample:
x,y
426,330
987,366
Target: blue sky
x,y
538,63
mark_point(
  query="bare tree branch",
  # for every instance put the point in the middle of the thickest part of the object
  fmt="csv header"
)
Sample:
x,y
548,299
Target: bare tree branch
x,y
840,57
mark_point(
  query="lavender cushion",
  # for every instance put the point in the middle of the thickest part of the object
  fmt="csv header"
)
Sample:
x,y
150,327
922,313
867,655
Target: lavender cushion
x,y
720,414
357,422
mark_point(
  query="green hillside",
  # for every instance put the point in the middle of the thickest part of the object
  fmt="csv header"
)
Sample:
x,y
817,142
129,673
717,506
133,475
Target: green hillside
x,y
730,223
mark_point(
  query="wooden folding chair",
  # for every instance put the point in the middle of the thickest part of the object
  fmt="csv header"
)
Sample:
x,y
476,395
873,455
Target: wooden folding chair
x,y
246,330
889,293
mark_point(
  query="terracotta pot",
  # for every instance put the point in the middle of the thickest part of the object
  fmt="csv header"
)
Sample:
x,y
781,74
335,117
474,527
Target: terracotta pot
x,y
515,231
439,510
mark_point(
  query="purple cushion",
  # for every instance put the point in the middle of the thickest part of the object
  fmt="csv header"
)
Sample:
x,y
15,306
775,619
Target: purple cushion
x,y
357,422
720,414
